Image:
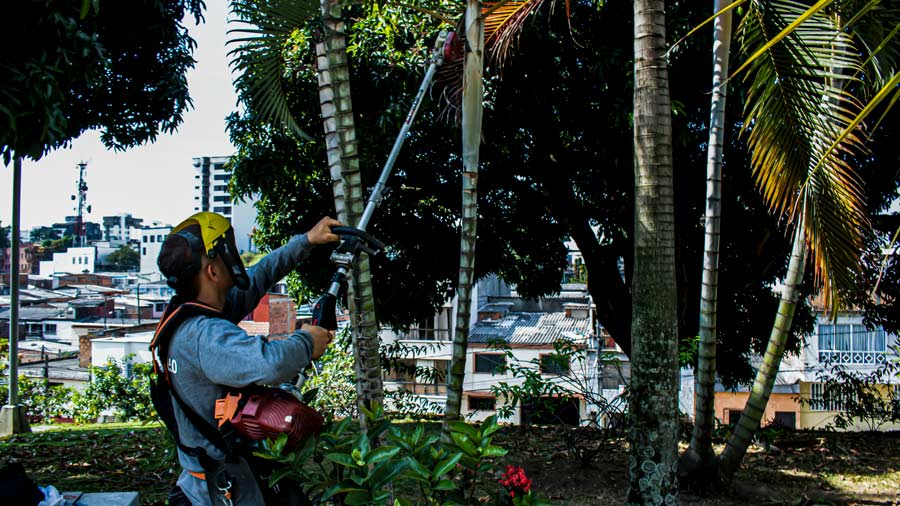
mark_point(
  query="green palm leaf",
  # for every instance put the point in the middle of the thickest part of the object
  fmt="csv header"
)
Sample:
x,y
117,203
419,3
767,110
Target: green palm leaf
x,y
799,103
258,57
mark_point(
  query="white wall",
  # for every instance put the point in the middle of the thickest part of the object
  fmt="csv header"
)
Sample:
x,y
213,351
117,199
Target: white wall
x,y
151,240
118,348
71,261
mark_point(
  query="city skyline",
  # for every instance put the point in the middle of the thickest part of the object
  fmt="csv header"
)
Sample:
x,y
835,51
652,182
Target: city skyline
x,y
153,181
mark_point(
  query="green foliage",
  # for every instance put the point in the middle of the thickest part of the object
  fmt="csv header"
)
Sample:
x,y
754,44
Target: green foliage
x,y
41,234
5,236
112,388
43,401
119,68
334,381
124,259
390,463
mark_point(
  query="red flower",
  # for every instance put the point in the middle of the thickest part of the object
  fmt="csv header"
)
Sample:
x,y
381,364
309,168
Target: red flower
x,y
514,479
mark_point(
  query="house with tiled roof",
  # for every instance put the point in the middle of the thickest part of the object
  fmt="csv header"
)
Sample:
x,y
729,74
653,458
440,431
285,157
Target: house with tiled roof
x,y
506,328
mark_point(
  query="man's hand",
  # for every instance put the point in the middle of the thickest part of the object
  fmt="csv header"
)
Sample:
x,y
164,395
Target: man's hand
x,y
321,339
321,233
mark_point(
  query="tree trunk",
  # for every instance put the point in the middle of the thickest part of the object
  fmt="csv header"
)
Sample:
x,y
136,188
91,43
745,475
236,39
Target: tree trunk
x,y
653,397
768,369
473,94
343,162
700,460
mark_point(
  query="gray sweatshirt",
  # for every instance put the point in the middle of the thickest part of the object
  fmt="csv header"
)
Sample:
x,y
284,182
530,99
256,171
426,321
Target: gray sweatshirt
x,y
207,354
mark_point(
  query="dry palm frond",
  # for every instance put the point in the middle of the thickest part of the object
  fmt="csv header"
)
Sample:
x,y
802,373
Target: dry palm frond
x,y
799,103
259,59
502,26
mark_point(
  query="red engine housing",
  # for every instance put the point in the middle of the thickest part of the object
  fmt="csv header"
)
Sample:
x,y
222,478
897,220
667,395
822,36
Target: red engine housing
x,y
271,412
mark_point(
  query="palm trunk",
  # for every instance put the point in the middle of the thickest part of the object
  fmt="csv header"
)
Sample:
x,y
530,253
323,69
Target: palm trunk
x,y
343,162
768,370
653,435
473,94
700,456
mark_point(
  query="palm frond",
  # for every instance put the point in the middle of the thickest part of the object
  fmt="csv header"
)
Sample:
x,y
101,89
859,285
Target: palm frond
x,y
502,25
265,26
800,111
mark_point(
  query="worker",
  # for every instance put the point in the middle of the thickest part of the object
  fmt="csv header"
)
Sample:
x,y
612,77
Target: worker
x,y
200,352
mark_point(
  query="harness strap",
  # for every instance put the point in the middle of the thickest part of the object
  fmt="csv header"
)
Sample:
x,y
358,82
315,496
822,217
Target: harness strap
x,y
163,391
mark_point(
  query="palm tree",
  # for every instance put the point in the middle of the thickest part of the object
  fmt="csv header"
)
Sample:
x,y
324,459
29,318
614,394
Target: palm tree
x,y
260,60
653,391
472,96
343,163
700,457
800,116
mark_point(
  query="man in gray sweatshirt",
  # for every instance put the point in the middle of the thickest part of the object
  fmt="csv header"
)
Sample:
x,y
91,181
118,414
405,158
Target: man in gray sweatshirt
x,y
208,353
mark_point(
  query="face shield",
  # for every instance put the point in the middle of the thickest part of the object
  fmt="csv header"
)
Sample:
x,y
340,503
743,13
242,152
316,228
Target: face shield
x,y
225,247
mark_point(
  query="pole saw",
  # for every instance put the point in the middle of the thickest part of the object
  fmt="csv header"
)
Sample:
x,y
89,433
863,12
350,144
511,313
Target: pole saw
x,y
356,239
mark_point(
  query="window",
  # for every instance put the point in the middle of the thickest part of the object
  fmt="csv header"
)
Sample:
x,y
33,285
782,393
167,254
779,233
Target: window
x,y
613,376
820,399
225,199
482,403
220,188
222,210
152,238
734,416
73,260
489,362
851,344
785,419
145,250
49,329
222,177
145,238
159,238
554,364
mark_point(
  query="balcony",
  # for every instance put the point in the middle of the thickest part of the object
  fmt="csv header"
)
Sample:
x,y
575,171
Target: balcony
x,y
416,388
424,334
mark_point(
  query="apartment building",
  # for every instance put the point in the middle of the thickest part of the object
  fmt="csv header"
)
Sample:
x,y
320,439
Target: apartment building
x,y
211,179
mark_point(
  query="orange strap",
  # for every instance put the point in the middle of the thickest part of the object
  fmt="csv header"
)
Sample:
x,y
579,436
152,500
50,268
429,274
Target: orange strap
x,y
199,476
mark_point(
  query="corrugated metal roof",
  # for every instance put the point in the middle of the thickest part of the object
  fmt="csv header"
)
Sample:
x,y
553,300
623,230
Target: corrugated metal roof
x,y
529,328
35,314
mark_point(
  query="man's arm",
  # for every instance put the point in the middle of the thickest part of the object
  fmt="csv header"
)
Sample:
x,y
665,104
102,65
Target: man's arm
x,y
229,356
264,275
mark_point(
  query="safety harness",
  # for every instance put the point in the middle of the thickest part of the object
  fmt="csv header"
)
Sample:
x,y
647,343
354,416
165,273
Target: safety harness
x,y
162,392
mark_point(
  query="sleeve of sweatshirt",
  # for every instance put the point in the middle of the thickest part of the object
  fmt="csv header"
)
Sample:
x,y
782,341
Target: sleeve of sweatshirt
x,y
229,356
268,271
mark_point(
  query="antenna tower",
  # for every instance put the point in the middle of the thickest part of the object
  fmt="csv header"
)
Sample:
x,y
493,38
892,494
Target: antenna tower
x,y
81,188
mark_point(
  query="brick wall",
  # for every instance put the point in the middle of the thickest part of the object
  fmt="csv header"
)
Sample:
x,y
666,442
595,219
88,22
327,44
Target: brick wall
x,y
282,317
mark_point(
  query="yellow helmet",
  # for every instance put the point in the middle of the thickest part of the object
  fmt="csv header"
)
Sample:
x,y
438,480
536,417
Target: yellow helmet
x,y
216,239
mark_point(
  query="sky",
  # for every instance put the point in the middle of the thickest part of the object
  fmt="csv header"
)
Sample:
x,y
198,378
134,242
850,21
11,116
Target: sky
x,y
153,181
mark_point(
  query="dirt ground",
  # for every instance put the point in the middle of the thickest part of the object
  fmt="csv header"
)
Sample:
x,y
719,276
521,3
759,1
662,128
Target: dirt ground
x,y
804,468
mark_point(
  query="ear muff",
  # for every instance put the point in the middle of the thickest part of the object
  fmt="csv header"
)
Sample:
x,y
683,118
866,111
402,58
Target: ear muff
x,y
180,280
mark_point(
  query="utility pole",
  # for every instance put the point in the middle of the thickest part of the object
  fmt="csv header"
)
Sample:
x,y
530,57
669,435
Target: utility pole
x,y
12,416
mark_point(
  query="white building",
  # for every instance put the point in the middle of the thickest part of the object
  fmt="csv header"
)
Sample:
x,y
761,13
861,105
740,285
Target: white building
x,y
72,261
137,346
529,330
211,194
121,229
152,239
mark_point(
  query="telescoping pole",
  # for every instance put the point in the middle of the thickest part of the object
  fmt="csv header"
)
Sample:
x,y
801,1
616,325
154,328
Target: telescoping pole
x,y
437,59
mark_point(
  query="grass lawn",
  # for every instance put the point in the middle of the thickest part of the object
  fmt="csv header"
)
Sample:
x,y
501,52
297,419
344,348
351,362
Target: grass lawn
x,y
810,468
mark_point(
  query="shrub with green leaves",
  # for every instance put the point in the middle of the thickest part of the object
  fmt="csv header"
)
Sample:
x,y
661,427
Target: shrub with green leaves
x,y
392,463
113,389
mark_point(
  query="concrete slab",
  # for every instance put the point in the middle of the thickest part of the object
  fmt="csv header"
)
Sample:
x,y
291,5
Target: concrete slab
x,y
102,499
13,420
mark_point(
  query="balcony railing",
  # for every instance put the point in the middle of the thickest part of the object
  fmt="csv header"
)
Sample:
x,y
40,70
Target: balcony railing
x,y
852,357
421,388
426,335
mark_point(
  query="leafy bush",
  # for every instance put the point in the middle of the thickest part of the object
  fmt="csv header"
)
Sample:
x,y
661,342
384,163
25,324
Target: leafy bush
x,y
122,387
409,468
